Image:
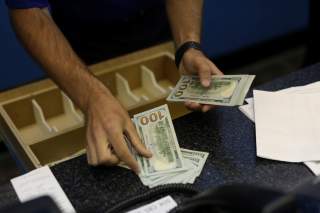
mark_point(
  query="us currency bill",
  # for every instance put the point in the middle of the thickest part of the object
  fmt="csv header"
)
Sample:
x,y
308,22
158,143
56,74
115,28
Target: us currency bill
x,y
169,163
194,161
226,90
157,133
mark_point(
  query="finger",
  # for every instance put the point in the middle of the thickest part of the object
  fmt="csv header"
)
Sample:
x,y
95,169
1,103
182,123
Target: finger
x,y
131,132
103,151
112,157
193,106
214,69
91,153
206,108
121,149
204,72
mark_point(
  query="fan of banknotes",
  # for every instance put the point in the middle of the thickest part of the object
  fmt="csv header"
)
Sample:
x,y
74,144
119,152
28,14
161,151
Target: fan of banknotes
x,y
225,90
169,163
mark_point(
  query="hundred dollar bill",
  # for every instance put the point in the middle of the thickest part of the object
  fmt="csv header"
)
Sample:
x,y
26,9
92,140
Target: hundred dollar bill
x,y
194,162
225,90
198,158
156,131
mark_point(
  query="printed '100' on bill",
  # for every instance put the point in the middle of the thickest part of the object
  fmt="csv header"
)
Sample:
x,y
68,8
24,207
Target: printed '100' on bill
x,y
225,90
156,131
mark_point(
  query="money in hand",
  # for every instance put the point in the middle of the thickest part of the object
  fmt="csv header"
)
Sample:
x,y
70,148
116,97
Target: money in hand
x,y
157,133
169,163
225,90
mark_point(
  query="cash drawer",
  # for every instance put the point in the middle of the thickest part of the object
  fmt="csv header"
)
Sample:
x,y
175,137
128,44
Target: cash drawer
x,y
41,126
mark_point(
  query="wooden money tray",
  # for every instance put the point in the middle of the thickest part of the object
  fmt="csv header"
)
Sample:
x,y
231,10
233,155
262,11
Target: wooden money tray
x,y
41,126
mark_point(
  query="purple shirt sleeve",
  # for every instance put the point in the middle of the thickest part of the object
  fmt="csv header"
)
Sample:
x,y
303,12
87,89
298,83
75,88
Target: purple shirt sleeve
x,y
24,4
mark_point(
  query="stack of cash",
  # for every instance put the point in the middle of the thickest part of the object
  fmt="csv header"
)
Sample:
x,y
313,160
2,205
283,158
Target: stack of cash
x,y
169,163
225,90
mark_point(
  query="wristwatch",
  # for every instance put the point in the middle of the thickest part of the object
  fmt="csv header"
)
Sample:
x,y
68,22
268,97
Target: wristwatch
x,y
183,48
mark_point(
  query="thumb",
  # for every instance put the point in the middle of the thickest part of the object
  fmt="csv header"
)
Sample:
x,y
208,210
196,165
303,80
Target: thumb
x,y
205,75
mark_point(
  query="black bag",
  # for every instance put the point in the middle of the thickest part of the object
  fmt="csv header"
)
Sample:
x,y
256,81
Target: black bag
x,y
232,199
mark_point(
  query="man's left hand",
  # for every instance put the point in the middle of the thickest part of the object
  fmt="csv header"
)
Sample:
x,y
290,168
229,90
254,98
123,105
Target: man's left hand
x,y
195,62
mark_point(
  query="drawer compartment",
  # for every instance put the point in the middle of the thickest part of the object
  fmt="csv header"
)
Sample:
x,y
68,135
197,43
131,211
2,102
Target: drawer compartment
x,y
49,128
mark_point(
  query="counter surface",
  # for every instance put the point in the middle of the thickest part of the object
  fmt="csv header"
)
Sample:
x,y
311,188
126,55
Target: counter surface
x,y
225,133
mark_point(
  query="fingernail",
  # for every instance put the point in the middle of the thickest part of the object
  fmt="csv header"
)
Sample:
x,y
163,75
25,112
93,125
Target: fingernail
x,y
205,109
206,82
137,171
150,154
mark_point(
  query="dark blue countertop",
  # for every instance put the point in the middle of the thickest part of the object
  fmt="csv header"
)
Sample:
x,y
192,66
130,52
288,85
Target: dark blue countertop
x,y
225,133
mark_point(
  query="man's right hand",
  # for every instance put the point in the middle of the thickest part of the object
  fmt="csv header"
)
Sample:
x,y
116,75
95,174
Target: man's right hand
x,y
107,122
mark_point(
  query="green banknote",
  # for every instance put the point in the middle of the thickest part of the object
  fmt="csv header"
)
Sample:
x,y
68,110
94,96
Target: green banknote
x,y
156,131
169,163
225,90
194,162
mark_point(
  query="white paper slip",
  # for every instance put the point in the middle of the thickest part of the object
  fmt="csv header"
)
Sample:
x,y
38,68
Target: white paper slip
x,y
41,182
249,100
162,205
287,126
248,110
314,166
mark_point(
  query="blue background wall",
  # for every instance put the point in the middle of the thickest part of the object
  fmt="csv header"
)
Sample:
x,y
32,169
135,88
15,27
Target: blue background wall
x,y
228,26
233,24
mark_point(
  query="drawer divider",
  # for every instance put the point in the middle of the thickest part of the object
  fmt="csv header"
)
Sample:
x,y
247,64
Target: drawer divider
x,y
39,117
69,108
149,82
124,92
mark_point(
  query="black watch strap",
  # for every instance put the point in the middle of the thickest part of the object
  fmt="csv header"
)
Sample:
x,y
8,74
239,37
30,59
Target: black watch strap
x,y
183,48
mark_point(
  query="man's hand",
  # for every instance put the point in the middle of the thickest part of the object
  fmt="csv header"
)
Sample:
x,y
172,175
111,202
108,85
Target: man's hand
x,y
107,122
185,17
195,62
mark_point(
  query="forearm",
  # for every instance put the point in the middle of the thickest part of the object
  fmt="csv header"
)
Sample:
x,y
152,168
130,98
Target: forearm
x,y
45,42
185,17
